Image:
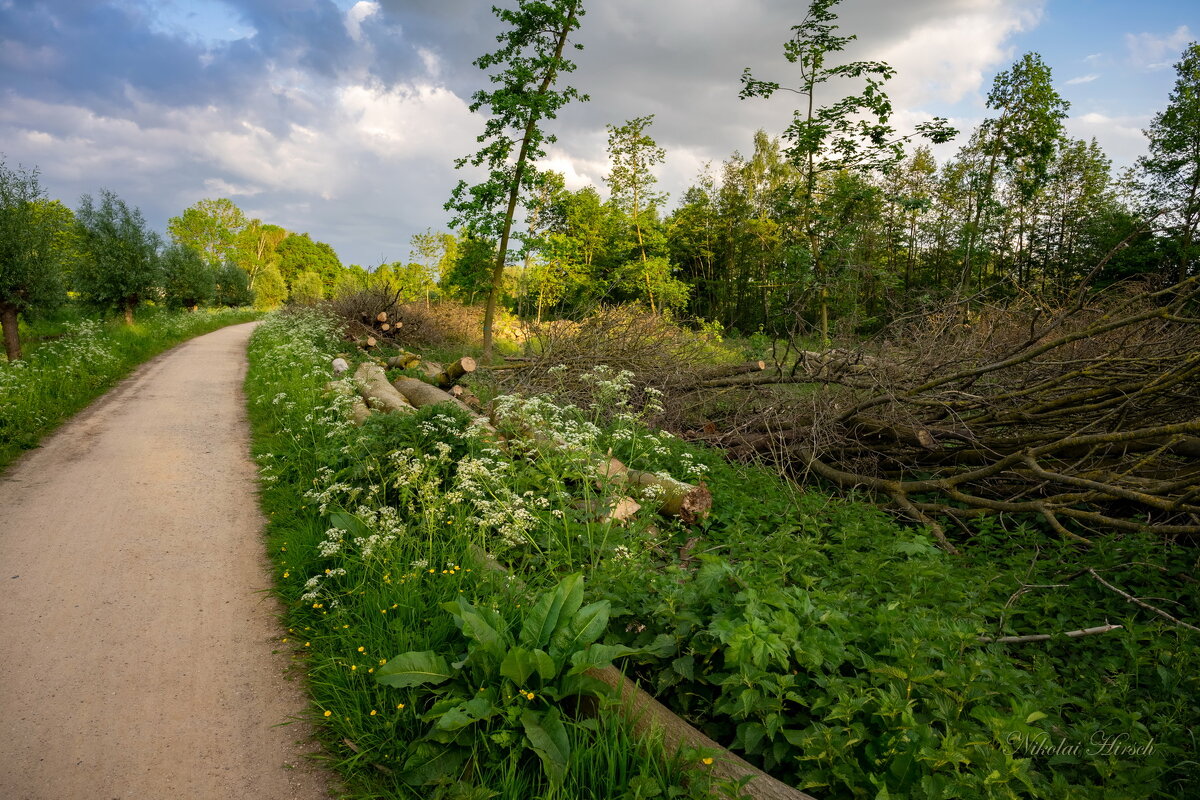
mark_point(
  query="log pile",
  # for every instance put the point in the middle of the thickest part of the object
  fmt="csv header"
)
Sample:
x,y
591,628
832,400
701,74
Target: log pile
x,y
1087,415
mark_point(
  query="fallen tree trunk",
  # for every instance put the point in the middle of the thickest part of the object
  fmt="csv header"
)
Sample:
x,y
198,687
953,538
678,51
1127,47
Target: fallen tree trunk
x,y
421,394
377,392
453,373
672,497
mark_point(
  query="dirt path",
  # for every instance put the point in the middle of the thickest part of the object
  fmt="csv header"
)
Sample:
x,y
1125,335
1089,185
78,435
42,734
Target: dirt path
x,y
135,642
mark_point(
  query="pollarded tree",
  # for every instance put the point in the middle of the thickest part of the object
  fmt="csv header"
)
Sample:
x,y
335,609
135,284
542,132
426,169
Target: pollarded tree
x,y
530,60
31,253
1172,170
119,267
187,281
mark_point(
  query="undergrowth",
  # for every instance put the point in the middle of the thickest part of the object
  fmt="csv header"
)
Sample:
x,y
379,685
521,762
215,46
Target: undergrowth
x,y
71,362
841,652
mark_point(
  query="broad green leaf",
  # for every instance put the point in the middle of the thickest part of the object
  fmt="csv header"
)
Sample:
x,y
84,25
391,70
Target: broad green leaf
x,y
414,668
549,611
431,763
349,523
464,714
518,665
474,626
579,630
548,738
598,656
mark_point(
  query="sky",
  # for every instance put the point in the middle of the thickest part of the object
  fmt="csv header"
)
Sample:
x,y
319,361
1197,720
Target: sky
x,y
343,118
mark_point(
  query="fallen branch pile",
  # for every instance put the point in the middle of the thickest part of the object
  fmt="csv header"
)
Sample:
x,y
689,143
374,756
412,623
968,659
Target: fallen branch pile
x,y
1087,415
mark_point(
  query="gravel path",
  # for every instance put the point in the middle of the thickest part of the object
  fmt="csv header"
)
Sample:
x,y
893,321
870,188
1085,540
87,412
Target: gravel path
x,y
136,642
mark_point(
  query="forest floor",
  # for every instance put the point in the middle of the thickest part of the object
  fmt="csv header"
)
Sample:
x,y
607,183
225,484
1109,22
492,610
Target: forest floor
x,y
141,654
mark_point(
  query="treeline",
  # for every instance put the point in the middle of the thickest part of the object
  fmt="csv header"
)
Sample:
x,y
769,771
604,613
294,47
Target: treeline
x,y
784,233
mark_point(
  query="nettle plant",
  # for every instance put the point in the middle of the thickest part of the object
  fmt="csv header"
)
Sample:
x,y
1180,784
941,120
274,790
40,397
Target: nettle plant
x,y
507,691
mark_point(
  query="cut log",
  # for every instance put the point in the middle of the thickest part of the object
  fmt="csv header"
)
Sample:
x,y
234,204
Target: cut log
x,y
340,367
381,316
403,361
377,392
385,327
359,411
421,394
453,373
366,343
672,497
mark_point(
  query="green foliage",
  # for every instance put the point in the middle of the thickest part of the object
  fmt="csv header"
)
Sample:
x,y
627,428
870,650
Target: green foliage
x,y
233,286
1172,169
298,253
307,288
211,228
120,265
530,61
270,291
35,247
470,275
187,281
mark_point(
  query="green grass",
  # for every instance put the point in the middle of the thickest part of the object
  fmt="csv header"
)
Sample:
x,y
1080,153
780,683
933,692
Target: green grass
x,y
71,359
829,645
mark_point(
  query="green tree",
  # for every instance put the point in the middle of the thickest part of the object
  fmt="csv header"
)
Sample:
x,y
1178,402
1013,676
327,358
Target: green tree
x,y
233,286
211,228
32,251
471,274
1172,169
1018,144
187,281
308,288
851,134
350,280
634,153
255,247
119,267
270,290
530,60
298,253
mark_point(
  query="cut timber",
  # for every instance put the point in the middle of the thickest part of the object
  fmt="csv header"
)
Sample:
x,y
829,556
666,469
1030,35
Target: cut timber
x,y
359,411
367,343
674,498
453,373
404,361
421,394
381,316
375,389
340,366
385,327
647,715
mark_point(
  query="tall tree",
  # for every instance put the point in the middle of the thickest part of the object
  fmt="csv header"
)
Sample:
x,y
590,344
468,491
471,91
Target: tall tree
x,y
211,228
255,247
852,133
31,255
298,253
1017,144
530,60
1172,169
634,153
120,265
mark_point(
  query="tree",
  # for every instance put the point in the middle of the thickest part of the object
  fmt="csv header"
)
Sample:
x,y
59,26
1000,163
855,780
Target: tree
x,y
1019,145
471,273
187,281
531,57
308,288
119,267
211,228
298,253
270,290
633,153
31,251
853,133
233,286
255,247
1172,170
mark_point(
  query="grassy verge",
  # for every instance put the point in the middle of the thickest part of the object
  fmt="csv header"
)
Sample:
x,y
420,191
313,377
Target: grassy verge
x,y
841,652
77,361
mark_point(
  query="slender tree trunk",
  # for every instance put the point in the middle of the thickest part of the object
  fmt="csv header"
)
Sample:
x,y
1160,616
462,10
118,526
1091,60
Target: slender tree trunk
x,y
12,338
489,313
129,312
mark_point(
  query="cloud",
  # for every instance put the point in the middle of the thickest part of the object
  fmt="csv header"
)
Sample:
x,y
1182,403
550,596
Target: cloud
x,y
1150,52
356,15
1122,136
1082,79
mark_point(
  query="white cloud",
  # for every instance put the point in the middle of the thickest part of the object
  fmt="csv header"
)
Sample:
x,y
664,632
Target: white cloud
x,y
1082,79
357,15
1120,137
1148,51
